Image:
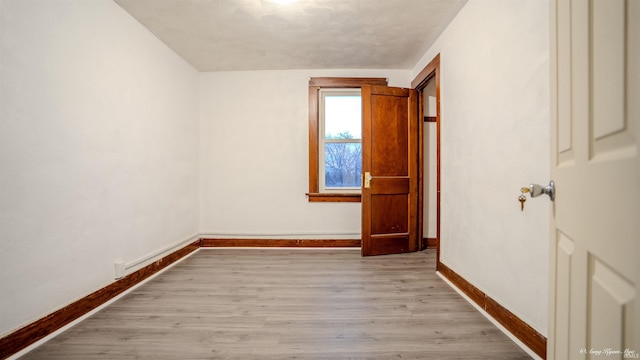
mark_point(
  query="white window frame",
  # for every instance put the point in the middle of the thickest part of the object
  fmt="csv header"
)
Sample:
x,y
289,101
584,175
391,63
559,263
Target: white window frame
x,y
322,141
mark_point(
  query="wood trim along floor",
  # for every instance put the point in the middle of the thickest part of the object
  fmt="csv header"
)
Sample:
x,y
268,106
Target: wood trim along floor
x,y
428,243
304,243
284,303
29,334
47,325
520,329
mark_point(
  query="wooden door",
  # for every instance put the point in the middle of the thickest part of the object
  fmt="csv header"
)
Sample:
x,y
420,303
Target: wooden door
x,y
594,271
389,164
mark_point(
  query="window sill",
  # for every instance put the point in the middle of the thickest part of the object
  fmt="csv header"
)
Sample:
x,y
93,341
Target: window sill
x,y
324,197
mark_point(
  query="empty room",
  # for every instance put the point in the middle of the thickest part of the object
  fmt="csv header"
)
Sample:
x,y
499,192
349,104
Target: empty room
x,y
319,179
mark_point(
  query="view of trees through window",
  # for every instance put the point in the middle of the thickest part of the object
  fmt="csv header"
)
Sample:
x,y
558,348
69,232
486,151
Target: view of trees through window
x,y
343,162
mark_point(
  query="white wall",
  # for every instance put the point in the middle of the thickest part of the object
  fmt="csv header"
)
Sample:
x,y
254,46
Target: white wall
x,y
430,168
494,60
98,151
254,156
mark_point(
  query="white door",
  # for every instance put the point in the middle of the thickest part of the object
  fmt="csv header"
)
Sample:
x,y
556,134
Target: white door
x,y
594,272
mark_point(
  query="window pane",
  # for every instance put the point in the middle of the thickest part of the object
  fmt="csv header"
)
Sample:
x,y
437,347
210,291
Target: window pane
x,y
342,117
343,165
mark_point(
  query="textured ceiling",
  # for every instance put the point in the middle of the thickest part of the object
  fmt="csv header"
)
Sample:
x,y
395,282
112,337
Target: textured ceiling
x,y
215,35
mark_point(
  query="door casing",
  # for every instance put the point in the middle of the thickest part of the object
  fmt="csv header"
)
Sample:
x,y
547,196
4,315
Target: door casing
x,y
431,72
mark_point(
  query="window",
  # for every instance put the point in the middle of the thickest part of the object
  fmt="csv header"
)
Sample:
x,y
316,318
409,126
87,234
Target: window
x,y
335,140
340,141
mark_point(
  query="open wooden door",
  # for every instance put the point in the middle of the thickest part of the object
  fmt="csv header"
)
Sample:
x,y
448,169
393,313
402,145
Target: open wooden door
x,y
594,303
389,164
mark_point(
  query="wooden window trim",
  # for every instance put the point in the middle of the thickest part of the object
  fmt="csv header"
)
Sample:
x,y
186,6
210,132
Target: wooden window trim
x,y
315,84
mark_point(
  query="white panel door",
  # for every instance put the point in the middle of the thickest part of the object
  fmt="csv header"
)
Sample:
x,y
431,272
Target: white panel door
x,y
595,256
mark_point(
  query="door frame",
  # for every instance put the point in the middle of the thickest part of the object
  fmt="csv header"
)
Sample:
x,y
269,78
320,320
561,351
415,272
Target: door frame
x,y
429,73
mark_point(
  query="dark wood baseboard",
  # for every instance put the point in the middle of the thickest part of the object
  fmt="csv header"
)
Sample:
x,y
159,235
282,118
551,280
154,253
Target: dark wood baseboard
x,y
47,325
304,243
428,243
431,242
520,329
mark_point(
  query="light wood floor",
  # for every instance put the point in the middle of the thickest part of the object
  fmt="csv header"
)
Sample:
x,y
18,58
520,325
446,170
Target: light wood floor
x,y
288,304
